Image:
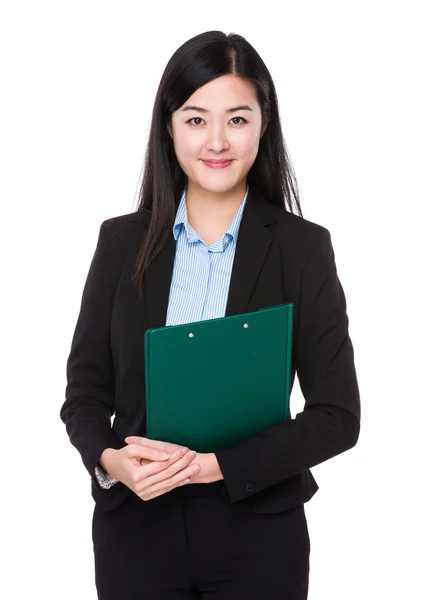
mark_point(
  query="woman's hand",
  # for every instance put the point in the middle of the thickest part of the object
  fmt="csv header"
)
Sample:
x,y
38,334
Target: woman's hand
x,y
153,479
167,447
210,470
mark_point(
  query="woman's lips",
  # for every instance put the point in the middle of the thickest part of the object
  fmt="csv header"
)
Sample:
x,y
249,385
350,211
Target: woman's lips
x,y
219,165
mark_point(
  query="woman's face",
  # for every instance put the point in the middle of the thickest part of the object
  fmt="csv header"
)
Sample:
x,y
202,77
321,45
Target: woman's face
x,y
207,127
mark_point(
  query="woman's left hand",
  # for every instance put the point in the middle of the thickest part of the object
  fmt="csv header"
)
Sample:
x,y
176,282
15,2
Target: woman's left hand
x,y
209,472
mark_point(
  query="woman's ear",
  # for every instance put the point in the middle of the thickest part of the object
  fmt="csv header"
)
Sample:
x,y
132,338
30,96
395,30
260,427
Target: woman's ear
x,y
263,129
170,130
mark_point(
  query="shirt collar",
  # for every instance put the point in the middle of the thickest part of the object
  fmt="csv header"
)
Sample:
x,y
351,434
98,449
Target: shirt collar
x,y
181,222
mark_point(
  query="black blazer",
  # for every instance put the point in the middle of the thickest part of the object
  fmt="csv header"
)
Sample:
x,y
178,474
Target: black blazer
x,y
280,257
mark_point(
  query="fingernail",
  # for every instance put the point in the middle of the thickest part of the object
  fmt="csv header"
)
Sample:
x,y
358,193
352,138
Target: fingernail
x,y
163,455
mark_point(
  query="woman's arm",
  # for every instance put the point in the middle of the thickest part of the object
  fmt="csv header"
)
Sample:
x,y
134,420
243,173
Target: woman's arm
x,y
330,421
90,390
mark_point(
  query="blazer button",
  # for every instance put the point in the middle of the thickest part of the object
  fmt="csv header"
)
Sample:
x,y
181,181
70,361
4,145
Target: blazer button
x,y
250,487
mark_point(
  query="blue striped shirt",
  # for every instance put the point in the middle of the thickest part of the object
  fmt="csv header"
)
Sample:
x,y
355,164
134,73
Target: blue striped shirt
x,y
201,274
200,281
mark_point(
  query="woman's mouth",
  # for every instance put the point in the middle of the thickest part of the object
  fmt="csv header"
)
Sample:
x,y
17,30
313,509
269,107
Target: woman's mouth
x,y
217,165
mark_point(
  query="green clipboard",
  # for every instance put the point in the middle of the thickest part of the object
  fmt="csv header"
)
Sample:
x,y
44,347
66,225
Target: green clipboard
x,y
213,383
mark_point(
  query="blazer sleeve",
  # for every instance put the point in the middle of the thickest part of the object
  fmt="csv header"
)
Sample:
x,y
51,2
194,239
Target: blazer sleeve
x,y
90,389
330,421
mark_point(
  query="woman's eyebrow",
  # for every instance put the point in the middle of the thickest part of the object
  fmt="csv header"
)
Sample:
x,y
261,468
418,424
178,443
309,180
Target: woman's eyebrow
x,y
228,110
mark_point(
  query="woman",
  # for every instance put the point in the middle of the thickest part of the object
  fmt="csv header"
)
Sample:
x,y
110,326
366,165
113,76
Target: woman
x,y
215,234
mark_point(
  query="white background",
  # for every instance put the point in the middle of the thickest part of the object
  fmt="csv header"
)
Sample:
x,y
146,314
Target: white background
x,y
78,82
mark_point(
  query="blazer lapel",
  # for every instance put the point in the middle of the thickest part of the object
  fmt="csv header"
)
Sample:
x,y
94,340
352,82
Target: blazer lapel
x,y
157,284
253,243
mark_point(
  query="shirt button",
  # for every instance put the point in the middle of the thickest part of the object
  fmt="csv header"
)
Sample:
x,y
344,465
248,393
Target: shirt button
x,y
250,487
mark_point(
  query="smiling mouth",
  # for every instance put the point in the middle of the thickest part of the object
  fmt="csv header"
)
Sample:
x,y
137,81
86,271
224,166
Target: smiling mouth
x,y
217,161
217,164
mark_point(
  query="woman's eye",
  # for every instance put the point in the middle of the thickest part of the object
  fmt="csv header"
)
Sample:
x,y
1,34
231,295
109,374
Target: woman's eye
x,y
195,119
242,119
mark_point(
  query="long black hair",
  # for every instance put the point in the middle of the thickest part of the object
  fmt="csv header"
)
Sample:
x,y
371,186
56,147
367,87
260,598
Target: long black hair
x,y
199,60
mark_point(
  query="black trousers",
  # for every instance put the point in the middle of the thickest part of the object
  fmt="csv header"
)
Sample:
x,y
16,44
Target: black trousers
x,y
193,543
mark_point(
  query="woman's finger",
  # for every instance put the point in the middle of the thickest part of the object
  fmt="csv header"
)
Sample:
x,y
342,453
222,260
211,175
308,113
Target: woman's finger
x,y
158,444
159,473
140,452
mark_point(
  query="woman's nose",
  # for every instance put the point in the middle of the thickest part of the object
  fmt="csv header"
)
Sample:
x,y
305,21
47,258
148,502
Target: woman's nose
x,y
217,139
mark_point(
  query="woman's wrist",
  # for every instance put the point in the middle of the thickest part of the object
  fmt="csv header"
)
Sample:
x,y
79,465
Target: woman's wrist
x,y
104,457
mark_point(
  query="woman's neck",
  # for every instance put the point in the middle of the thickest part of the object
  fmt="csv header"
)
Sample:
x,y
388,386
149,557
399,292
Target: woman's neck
x,y
213,212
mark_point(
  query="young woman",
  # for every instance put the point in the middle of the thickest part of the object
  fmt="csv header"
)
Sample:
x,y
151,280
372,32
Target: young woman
x,y
218,231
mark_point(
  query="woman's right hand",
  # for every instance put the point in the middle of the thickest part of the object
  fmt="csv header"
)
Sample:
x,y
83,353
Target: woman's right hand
x,y
153,479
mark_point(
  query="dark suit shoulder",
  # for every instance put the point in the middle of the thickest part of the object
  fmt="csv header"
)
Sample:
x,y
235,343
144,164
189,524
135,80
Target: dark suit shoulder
x,y
121,227
301,232
300,225
138,216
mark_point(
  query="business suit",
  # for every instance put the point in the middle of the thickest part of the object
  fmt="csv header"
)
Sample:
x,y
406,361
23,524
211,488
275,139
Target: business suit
x,y
279,257
292,261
